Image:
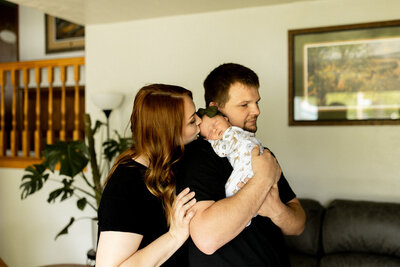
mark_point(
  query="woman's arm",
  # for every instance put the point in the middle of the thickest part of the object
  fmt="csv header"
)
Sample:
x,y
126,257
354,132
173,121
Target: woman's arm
x,y
121,248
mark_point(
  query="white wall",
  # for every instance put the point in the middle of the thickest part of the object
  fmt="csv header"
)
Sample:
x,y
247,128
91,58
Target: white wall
x,y
32,37
356,162
28,227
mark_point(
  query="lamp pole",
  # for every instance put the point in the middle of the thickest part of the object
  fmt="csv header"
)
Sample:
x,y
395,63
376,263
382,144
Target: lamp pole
x,y
107,112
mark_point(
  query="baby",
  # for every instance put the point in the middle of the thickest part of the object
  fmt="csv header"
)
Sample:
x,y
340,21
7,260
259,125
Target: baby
x,y
229,141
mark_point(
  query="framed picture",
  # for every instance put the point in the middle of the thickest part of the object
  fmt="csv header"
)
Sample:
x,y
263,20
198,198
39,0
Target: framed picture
x,y
62,35
345,75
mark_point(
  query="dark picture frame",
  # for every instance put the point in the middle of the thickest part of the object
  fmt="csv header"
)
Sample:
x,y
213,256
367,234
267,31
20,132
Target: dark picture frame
x,y
345,75
63,36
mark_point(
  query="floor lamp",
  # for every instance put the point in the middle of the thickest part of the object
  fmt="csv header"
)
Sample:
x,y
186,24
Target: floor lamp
x,y
107,102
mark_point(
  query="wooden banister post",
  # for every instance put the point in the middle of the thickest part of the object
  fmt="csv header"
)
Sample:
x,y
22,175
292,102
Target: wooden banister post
x,y
63,103
14,136
76,134
26,137
38,146
50,134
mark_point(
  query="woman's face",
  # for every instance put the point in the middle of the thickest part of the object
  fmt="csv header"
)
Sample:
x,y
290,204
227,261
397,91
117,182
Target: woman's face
x,y
191,121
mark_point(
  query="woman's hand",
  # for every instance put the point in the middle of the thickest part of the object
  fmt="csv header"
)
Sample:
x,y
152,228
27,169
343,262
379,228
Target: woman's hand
x,y
181,215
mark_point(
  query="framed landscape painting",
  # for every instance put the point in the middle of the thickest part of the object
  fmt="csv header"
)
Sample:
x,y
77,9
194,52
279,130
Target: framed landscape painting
x,y
345,75
63,36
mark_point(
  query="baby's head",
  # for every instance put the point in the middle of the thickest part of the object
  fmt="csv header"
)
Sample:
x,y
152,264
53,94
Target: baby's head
x,y
213,123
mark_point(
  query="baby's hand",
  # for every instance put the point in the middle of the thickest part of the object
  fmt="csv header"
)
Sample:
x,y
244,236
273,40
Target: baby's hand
x,y
241,184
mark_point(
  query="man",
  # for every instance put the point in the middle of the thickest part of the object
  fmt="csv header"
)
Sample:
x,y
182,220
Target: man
x,y
219,236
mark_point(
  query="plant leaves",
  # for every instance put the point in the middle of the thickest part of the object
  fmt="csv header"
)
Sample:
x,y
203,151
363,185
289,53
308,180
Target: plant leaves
x,y
33,179
81,203
114,147
65,192
72,157
64,231
97,126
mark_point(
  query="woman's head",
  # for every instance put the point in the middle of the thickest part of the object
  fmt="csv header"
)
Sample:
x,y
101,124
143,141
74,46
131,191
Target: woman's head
x,y
159,121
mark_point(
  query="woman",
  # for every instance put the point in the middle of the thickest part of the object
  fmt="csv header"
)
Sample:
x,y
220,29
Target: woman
x,y
141,221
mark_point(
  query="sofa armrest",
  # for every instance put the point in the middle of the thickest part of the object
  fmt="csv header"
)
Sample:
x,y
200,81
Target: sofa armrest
x,y
309,241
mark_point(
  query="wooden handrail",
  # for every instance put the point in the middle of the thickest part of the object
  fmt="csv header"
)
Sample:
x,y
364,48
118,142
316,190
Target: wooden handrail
x,y
43,63
26,116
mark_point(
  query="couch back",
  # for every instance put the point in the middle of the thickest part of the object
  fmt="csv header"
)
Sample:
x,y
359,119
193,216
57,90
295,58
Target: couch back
x,y
348,233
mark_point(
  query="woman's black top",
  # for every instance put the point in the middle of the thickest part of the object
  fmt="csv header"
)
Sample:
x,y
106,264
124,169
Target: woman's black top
x,y
128,206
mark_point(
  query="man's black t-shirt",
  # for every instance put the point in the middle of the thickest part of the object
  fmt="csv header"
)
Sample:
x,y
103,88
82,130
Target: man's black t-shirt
x,y
128,206
259,244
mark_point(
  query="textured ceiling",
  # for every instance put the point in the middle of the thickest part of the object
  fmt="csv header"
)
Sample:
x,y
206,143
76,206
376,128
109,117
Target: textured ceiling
x,y
87,12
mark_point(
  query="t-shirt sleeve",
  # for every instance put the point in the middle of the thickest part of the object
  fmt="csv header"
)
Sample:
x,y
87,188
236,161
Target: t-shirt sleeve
x,y
120,208
285,191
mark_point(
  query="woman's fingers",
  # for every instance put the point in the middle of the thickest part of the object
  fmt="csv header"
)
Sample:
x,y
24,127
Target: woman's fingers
x,y
184,202
189,216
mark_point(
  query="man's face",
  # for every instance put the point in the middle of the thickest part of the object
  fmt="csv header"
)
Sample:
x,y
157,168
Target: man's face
x,y
242,106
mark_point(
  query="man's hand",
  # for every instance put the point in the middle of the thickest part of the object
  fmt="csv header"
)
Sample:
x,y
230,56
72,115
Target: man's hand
x,y
265,165
272,205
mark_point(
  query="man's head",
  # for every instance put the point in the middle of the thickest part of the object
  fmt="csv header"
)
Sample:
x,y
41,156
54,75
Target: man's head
x,y
233,88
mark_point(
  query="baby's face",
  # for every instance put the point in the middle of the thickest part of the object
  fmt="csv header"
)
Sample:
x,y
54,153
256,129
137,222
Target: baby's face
x,y
213,128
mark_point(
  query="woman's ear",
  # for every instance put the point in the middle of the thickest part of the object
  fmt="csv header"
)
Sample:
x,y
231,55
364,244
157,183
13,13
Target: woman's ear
x,y
213,104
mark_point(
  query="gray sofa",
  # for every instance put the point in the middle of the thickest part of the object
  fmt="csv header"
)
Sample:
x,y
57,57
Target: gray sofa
x,y
347,233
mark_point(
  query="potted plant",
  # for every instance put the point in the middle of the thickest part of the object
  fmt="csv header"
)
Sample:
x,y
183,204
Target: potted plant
x,y
71,160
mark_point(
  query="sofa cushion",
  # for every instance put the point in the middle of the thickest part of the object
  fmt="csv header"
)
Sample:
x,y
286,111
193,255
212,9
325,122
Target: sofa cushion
x,y
309,241
358,259
302,260
362,226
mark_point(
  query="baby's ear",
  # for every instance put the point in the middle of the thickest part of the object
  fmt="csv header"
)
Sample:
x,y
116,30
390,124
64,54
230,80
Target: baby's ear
x,y
226,118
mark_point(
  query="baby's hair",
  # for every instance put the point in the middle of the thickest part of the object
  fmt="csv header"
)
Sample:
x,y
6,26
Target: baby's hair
x,y
210,111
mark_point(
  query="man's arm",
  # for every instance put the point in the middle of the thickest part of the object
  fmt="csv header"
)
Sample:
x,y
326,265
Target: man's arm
x,y
290,216
217,223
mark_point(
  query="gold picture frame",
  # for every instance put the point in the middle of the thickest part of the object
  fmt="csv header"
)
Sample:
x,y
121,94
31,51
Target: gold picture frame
x,y
63,36
345,75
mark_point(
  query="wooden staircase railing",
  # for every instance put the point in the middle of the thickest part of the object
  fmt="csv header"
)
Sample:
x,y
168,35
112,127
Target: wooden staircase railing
x,y
34,111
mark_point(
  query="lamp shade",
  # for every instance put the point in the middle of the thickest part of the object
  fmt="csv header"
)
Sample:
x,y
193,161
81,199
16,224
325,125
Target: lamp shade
x,y
107,100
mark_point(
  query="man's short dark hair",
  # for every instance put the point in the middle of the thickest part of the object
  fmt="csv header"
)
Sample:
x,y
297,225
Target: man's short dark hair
x,y
218,82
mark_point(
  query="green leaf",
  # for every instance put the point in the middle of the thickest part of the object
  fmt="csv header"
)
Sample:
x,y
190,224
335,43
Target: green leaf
x,y
81,203
65,192
72,157
114,147
97,126
33,179
64,231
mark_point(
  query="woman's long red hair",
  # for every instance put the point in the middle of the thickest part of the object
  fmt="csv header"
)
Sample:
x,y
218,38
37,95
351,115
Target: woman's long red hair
x,y
156,124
